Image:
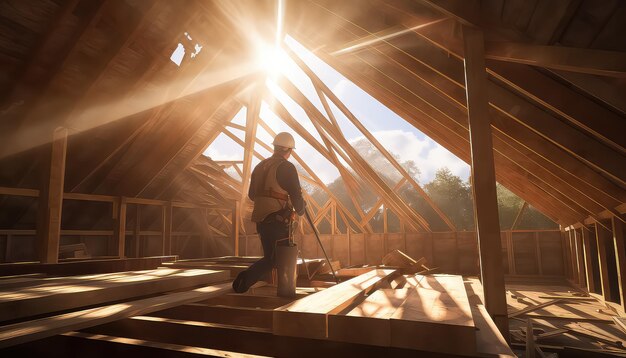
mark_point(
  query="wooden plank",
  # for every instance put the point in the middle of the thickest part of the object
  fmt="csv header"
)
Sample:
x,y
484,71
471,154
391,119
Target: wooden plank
x,y
581,60
85,266
45,299
46,327
534,307
51,200
89,197
580,258
368,322
602,236
235,221
588,252
483,178
619,243
166,221
308,317
621,323
19,192
434,314
238,316
530,339
137,235
123,344
320,86
489,340
119,234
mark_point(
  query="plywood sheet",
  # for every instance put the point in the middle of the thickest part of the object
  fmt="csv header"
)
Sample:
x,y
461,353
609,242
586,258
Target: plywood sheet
x,y
368,322
435,313
307,317
29,301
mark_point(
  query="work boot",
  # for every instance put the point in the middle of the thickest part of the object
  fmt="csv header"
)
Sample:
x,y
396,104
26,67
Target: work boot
x,y
239,285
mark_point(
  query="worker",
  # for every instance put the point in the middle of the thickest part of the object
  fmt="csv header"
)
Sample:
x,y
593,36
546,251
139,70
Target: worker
x,y
277,195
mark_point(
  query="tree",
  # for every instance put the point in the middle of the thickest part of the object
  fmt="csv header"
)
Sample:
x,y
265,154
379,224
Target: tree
x,y
454,198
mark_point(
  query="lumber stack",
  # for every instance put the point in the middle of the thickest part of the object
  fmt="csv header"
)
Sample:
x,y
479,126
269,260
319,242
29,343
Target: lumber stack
x,y
404,262
426,314
308,316
43,296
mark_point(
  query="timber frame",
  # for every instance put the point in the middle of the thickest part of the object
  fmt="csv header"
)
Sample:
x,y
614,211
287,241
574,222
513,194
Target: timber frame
x,y
101,135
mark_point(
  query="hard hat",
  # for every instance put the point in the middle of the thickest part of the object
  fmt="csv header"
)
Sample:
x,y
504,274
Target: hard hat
x,y
284,139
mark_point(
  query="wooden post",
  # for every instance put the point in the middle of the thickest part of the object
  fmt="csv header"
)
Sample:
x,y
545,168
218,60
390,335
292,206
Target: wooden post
x,y
385,231
567,269
7,252
167,228
51,199
538,253
137,230
602,236
580,259
619,243
235,231
510,252
119,230
591,284
483,178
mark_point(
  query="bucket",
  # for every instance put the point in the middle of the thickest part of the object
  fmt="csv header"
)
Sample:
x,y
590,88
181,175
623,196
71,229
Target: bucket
x,y
286,265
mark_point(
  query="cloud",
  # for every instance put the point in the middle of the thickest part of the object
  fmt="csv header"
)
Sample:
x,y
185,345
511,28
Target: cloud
x,y
427,154
341,87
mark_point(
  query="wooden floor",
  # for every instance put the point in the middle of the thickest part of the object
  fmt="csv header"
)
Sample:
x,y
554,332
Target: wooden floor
x,y
571,321
174,311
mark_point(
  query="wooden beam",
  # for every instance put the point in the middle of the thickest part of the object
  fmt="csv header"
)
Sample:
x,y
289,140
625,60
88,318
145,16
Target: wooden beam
x,y
166,217
400,207
235,221
137,235
519,215
587,252
484,180
619,243
119,229
603,235
136,99
33,193
580,258
581,60
308,317
46,327
505,176
51,199
252,117
324,90
415,52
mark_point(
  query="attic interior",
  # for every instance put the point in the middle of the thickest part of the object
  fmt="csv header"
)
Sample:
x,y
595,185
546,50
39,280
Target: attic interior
x,y
121,232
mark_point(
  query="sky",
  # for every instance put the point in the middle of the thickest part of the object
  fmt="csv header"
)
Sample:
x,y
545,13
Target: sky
x,y
398,136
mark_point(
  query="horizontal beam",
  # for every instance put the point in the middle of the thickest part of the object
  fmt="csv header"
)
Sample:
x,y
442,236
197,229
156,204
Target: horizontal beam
x,y
581,60
26,232
19,192
110,199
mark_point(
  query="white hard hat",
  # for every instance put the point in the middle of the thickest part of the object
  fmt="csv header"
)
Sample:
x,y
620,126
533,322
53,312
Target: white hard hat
x,y
284,139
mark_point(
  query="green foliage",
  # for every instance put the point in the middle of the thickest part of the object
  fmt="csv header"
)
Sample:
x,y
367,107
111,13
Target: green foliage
x,y
448,191
454,198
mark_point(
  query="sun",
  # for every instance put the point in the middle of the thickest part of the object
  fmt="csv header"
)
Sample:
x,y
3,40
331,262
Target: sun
x,y
272,60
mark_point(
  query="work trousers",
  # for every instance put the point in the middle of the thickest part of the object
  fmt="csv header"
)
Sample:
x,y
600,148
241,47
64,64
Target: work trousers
x,y
269,233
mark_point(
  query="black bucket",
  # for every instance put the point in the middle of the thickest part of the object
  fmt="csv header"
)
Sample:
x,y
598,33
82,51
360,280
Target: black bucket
x,y
286,265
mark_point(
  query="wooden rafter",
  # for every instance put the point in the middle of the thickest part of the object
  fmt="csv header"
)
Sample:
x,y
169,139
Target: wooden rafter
x,y
322,90
519,215
460,150
252,118
364,169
